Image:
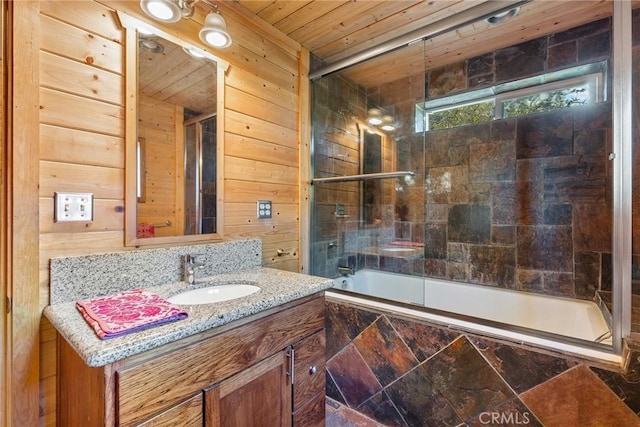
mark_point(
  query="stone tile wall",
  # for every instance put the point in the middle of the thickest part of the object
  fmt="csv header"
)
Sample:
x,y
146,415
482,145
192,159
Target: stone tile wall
x,y
521,203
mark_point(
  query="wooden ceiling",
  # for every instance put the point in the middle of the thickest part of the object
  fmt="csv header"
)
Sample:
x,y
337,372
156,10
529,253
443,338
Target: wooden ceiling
x,y
335,30
167,73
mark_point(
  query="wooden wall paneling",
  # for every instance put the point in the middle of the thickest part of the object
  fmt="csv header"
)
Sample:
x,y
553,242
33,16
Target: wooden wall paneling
x,y
241,191
81,45
76,146
304,179
5,348
238,100
47,374
80,113
104,183
242,124
160,123
89,82
267,90
255,149
88,16
264,32
251,170
22,208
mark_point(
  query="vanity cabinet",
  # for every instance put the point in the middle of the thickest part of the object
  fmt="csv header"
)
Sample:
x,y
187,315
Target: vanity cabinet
x,y
264,370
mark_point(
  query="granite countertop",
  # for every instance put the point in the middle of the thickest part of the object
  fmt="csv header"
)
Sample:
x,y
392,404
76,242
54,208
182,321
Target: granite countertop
x,y
276,287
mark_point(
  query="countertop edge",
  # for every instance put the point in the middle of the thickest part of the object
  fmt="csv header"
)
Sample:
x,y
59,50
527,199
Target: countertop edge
x,y
278,287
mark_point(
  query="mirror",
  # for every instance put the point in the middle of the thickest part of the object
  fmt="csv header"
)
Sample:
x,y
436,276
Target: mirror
x,y
174,118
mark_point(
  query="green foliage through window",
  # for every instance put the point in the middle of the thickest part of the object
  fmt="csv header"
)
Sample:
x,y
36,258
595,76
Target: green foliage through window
x,y
461,115
579,85
545,101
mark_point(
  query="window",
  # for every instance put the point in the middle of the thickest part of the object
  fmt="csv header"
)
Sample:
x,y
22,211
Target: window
x,y
560,89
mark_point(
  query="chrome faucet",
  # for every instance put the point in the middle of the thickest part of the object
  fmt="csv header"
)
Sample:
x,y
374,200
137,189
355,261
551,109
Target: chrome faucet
x,y
190,267
345,271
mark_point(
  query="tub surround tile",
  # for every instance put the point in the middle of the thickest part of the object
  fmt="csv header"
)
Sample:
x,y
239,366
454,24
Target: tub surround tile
x,y
578,397
625,386
332,391
462,375
384,351
338,415
423,340
511,413
381,408
522,369
462,379
353,376
344,323
82,277
419,401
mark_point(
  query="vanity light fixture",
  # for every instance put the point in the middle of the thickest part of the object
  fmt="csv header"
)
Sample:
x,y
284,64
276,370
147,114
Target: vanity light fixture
x,y
168,10
374,116
214,32
387,124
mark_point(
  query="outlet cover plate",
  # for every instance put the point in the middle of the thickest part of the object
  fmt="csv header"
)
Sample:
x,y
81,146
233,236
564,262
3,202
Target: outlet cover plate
x,y
73,207
264,209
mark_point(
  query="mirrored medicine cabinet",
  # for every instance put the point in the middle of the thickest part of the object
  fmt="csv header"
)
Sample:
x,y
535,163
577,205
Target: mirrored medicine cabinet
x,y
174,145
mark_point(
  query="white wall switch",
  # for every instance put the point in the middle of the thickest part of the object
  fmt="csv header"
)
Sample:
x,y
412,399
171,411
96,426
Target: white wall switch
x,y
73,207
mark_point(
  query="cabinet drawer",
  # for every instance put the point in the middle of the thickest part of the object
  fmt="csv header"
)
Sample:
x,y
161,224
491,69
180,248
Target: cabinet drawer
x,y
185,414
309,377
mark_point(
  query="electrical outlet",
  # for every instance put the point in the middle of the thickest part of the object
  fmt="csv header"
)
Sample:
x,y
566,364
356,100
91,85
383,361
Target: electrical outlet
x,y
73,207
264,209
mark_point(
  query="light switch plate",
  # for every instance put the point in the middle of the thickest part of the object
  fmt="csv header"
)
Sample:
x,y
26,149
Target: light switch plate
x,y
264,209
73,207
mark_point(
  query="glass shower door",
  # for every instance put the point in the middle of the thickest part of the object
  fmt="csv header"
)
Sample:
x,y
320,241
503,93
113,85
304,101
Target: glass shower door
x,y
200,159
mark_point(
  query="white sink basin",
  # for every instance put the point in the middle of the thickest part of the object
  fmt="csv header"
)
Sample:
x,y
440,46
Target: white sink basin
x,y
211,294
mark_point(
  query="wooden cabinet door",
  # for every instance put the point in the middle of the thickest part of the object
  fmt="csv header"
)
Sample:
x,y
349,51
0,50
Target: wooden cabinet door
x,y
259,396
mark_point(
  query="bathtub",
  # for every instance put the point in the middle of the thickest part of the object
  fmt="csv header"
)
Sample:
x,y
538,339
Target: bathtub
x,y
507,313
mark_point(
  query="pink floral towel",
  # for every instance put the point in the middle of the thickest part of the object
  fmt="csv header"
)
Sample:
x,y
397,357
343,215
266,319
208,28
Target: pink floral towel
x,y
128,311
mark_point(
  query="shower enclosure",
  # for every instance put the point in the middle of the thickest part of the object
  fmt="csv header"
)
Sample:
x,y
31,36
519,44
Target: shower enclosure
x,y
200,175
492,171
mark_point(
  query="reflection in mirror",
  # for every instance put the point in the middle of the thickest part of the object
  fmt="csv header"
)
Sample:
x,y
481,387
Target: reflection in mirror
x,y
176,119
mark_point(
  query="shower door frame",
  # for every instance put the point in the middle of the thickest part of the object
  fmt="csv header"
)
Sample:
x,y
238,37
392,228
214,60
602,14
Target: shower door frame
x,y
197,121
621,158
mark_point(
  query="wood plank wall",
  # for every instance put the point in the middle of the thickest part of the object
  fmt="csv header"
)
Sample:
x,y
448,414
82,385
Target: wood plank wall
x,y
82,139
158,125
